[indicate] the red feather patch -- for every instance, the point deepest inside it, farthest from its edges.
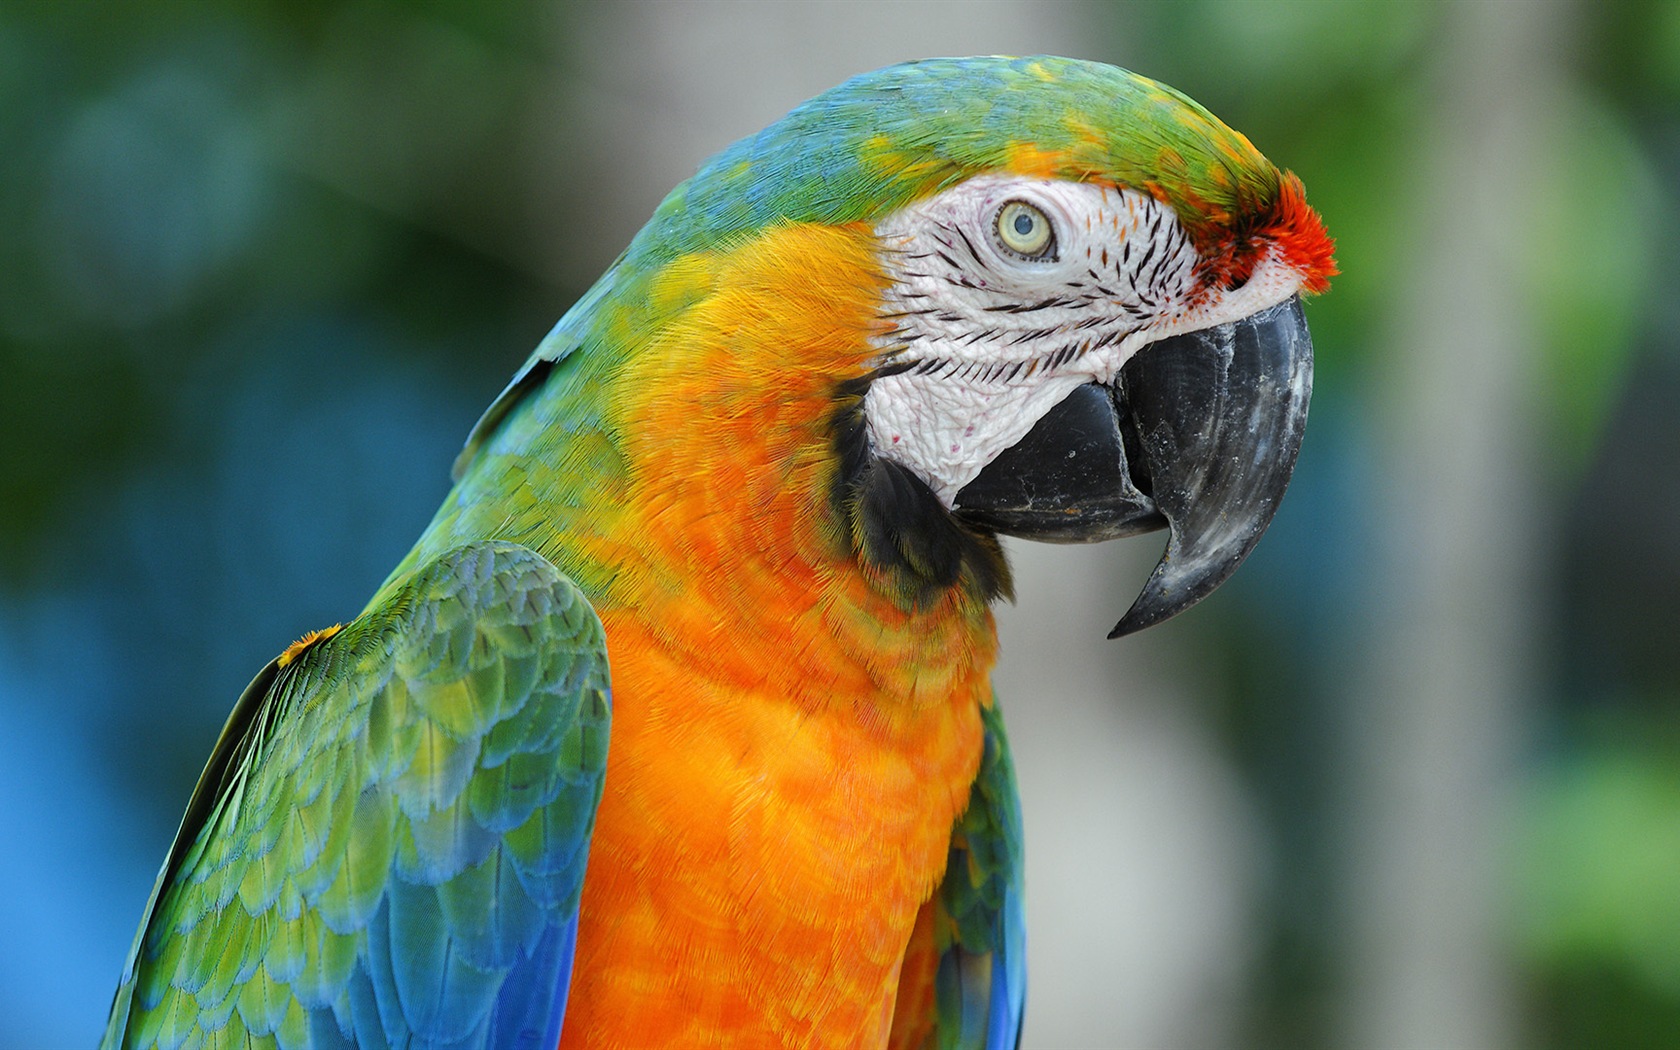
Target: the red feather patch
(1288, 222)
(1298, 230)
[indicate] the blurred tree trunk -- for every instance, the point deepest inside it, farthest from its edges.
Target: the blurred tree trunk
(1448, 666)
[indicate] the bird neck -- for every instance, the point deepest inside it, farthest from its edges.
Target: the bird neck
(683, 466)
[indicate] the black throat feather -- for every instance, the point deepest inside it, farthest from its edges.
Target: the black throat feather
(896, 525)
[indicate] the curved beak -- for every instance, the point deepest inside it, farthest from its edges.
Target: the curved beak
(1198, 433)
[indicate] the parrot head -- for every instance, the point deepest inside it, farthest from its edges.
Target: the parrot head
(1085, 299)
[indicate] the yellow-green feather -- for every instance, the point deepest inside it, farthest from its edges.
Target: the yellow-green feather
(393, 830)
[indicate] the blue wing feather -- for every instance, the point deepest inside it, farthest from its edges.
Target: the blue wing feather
(387, 847)
(1009, 973)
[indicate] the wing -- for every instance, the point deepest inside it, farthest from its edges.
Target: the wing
(964, 980)
(387, 846)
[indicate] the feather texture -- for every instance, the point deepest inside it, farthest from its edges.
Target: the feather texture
(388, 845)
(810, 835)
(963, 985)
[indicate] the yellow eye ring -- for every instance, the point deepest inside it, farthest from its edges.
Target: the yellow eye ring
(1025, 230)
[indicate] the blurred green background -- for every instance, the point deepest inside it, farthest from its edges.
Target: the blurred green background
(1411, 779)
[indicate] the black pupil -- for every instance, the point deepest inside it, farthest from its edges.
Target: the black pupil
(1023, 223)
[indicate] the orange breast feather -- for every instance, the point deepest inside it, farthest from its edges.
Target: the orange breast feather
(789, 747)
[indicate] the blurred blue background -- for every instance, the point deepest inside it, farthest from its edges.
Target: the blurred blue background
(1411, 779)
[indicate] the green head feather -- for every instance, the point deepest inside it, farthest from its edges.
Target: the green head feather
(883, 139)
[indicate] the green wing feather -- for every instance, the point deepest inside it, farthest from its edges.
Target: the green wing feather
(979, 995)
(388, 844)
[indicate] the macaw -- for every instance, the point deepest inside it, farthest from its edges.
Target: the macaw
(743, 505)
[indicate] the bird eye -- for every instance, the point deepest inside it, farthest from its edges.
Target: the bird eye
(1026, 231)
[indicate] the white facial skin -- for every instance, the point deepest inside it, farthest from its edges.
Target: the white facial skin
(996, 338)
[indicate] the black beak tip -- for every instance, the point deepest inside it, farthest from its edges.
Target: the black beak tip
(1146, 611)
(1161, 600)
(1131, 623)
